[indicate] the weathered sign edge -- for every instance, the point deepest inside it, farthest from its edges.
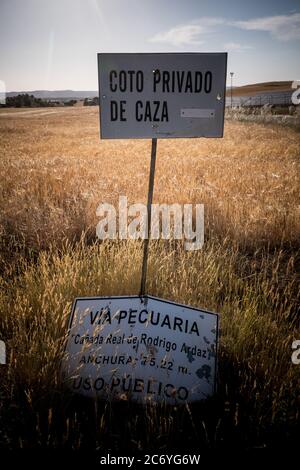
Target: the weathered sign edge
(217, 315)
(146, 296)
(99, 54)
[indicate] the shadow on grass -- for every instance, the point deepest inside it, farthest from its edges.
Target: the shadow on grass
(232, 419)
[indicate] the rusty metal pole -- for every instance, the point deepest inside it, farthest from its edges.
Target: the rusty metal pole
(149, 205)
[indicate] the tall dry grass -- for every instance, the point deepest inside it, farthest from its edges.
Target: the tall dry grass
(54, 173)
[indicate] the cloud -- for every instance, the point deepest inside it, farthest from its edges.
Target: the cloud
(179, 36)
(235, 46)
(190, 34)
(282, 27)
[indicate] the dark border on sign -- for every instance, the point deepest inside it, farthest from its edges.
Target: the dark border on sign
(217, 315)
(224, 93)
(99, 91)
(99, 54)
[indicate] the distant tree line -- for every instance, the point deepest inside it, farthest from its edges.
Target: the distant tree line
(91, 101)
(29, 101)
(24, 101)
(70, 103)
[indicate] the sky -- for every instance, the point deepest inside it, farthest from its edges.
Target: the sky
(53, 44)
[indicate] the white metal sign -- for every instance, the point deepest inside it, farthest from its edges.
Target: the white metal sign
(143, 349)
(162, 95)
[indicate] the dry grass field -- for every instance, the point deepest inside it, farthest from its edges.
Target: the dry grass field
(54, 171)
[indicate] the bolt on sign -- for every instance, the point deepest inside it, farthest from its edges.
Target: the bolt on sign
(162, 95)
(141, 349)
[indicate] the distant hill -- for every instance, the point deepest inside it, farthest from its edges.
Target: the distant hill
(57, 94)
(265, 87)
(246, 90)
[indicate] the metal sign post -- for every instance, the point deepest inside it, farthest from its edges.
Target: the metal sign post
(161, 96)
(141, 347)
(149, 205)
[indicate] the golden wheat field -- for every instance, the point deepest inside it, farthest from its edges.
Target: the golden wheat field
(54, 172)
